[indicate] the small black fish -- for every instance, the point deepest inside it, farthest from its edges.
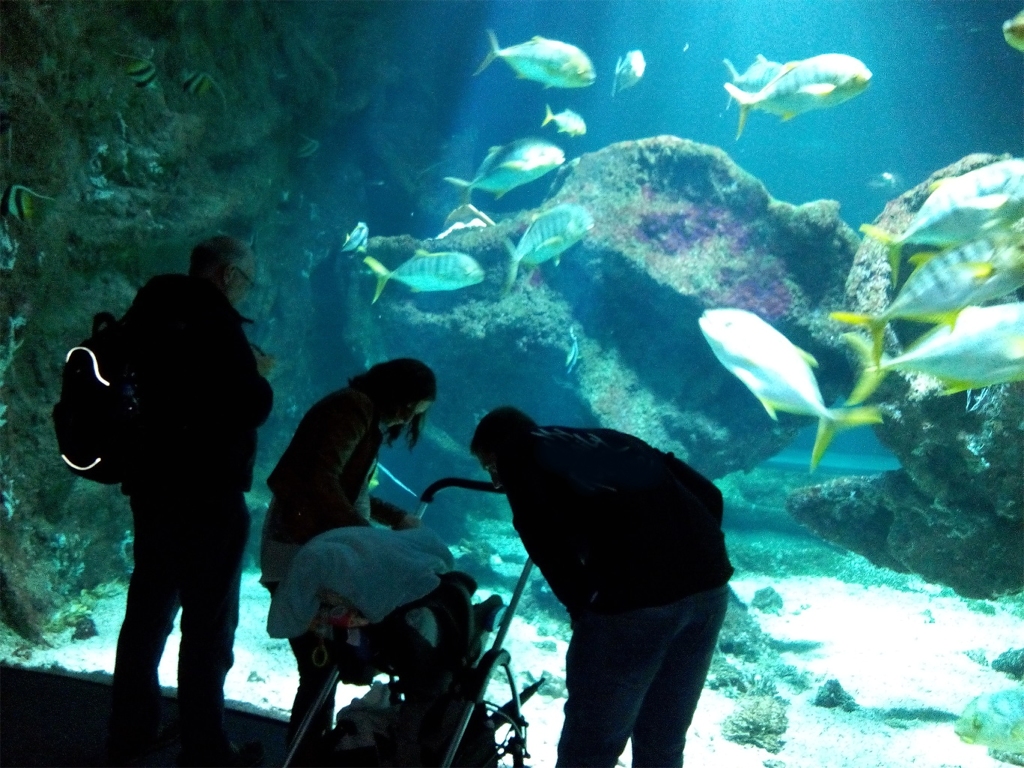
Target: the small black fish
(142, 72)
(17, 202)
(5, 121)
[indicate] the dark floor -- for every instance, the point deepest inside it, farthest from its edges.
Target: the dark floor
(50, 719)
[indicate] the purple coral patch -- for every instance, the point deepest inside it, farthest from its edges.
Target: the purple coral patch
(763, 291)
(678, 231)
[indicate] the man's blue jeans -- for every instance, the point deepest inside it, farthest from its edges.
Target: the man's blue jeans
(638, 674)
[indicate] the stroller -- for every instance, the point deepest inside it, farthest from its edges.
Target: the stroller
(432, 712)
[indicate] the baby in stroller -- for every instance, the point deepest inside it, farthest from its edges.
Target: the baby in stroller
(388, 602)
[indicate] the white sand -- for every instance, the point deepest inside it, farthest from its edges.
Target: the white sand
(887, 648)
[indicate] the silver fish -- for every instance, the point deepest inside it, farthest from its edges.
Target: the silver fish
(777, 372)
(512, 165)
(548, 236)
(960, 209)
(628, 71)
(551, 62)
(814, 83)
(441, 271)
(985, 347)
(943, 285)
(566, 120)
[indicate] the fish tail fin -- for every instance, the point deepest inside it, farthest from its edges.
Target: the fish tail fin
(732, 70)
(465, 188)
(383, 275)
(837, 420)
(890, 242)
(548, 117)
(872, 373)
(494, 53)
(875, 325)
(513, 268)
(741, 96)
(745, 100)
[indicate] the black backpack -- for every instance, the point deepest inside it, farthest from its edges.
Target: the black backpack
(99, 405)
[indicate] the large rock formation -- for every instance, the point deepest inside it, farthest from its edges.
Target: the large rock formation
(138, 176)
(679, 228)
(955, 513)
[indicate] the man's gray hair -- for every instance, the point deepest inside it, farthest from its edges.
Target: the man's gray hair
(220, 251)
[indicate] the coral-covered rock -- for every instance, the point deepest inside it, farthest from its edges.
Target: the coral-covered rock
(955, 514)
(610, 336)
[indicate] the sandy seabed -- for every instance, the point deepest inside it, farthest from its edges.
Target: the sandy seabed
(890, 649)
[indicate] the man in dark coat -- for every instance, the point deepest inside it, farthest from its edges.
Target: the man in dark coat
(201, 396)
(630, 541)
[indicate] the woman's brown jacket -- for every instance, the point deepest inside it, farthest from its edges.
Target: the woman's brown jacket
(319, 477)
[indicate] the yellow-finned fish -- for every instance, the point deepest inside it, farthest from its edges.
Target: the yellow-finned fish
(985, 347)
(994, 720)
(441, 271)
(511, 166)
(551, 62)
(628, 71)
(1013, 31)
(814, 83)
(943, 285)
(959, 209)
(566, 120)
(548, 236)
(17, 202)
(777, 372)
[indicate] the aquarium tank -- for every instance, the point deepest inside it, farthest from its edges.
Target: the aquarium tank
(781, 239)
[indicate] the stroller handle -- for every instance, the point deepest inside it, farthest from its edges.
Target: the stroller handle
(453, 482)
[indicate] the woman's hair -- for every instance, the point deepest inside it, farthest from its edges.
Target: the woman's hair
(499, 428)
(394, 386)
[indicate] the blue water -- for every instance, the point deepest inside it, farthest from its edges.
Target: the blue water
(944, 84)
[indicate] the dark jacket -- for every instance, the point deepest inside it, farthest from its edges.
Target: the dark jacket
(612, 523)
(319, 477)
(201, 397)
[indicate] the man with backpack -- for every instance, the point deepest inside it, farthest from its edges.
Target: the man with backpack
(630, 541)
(201, 397)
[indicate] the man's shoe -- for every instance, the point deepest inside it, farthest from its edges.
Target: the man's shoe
(248, 754)
(136, 755)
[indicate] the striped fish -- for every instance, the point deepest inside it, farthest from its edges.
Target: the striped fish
(141, 71)
(960, 209)
(985, 347)
(355, 241)
(17, 202)
(441, 271)
(942, 286)
(814, 83)
(512, 165)
(550, 234)
(757, 75)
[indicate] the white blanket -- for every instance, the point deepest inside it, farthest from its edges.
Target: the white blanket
(375, 569)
